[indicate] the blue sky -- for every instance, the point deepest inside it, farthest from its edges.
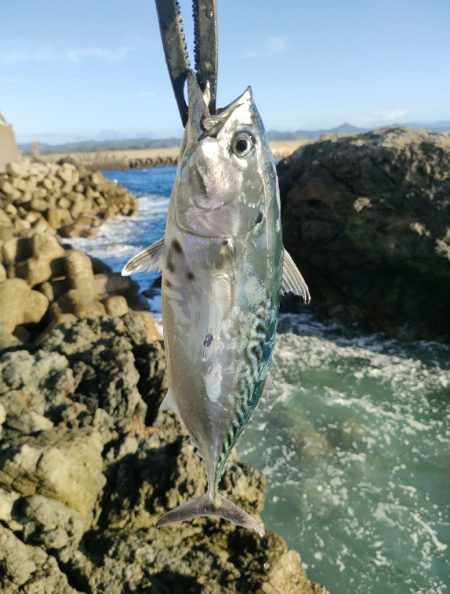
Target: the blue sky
(95, 68)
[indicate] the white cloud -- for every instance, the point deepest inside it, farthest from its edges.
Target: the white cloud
(73, 55)
(15, 56)
(273, 46)
(388, 115)
(100, 53)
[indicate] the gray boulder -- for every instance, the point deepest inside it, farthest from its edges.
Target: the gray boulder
(367, 218)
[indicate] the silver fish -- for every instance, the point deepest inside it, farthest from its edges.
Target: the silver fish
(223, 269)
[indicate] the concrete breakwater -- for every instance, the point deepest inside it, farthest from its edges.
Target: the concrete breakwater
(147, 158)
(37, 197)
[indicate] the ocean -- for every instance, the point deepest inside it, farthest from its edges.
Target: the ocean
(354, 440)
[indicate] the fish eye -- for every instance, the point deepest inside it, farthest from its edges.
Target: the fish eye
(242, 143)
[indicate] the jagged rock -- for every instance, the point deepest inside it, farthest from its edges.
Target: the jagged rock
(85, 492)
(59, 464)
(152, 332)
(48, 523)
(367, 220)
(19, 304)
(29, 569)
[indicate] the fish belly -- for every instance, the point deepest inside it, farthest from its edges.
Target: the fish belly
(219, 325)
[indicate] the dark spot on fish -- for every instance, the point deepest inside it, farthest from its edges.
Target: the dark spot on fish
(208, 340)
(225, 242)
(170, 265)
(259, 218)
(190, 275)
(177, 246)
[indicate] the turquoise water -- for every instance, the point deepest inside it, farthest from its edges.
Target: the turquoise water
(354, 440)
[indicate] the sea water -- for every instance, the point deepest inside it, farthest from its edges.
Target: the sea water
(354, 440)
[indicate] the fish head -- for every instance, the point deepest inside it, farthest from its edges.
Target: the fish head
(226, 173)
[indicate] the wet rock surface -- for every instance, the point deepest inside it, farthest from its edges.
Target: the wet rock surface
(367, 219)
(87, 465)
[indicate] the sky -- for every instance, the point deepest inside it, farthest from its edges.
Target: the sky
(94, 69)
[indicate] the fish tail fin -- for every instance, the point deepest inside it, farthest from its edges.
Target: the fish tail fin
(203, 506)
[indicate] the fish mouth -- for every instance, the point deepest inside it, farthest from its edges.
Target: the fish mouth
(201, 123)
(198, 109)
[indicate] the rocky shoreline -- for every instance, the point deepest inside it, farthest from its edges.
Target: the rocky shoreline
(87, 464)
(367, 219)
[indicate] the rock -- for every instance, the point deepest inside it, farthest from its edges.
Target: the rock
(20, 305)
(48, 522)
(366, 218)
(6, 233)
(66, 466)
(16, 250)
(152, 332)
(29, 569)
(46, 260)
(79, 273)
(287, 575)
(116, 305)
(54, 289)
(78, 303)
(79, 498)
(37, 270)
(115, 284)
(7, 188)
(15, 170)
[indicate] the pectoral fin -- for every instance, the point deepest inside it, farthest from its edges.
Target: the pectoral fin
(293, 281)
(150, 259)
(269, 386)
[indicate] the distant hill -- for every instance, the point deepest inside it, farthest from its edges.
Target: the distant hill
(442, 126)
(349, 130)
(342, 130)
(146, 143)
(86, 146)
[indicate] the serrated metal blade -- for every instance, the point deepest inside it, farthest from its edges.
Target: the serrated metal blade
(175, 50)
(205, 29)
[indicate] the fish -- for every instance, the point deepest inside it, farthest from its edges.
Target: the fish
(223, 270)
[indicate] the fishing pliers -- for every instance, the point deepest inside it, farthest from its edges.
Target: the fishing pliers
(175, 49)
